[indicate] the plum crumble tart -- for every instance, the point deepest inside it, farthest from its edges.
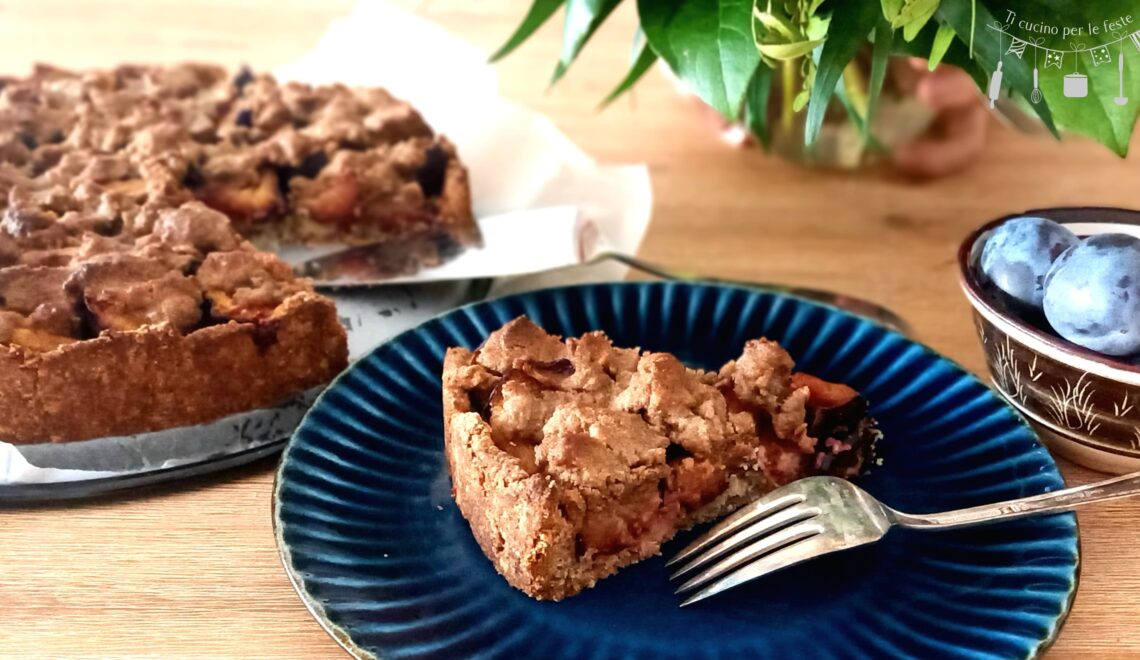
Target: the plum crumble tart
(571, 459)
(130, 297)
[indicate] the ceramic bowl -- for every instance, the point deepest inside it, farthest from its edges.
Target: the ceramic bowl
(1085, 405)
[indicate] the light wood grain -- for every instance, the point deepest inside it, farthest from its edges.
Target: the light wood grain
(191, 570)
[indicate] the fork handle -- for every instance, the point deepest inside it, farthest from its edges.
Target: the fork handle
(1063, 500)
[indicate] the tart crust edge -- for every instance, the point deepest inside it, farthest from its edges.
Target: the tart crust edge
(155, 378)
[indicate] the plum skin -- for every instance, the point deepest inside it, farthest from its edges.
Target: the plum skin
(1092, 294)
(1018, 253)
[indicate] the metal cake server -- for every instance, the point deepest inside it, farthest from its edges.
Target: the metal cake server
(517, 243)
(820, 515)
(523, 243)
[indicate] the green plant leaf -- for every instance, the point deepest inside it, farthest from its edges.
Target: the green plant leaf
(583, 17)
(641, 64)
(973, 24)
(1016, 74)
(801, 100)
(891, 9)
(957, 54)
(854, 87)
(854, 116)
(942, 40)
(1096, 115)
(880, 54)
(540, 11)
(774, 23)
(638, 42)
(848, 105)
(817, 27)
(853, 113)
(857, 18)
(914, 16)
(756, 104)
(789, 51)
(707, 44)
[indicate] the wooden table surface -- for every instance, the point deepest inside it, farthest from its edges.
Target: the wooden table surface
(191, 570)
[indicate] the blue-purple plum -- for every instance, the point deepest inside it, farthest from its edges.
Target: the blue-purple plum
(1019, 252)
(1092, 294)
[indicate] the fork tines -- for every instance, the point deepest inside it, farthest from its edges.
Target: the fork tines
(773, 532)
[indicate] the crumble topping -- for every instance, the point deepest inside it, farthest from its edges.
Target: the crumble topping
(529, 385)
(594, 448)
(90, 283)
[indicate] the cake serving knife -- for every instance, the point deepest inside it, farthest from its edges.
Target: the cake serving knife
(516, 243)
(520, 243)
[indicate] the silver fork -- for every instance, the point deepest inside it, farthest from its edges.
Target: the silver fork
(820, 515)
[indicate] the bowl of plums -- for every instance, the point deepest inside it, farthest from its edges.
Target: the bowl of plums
(1056, 298)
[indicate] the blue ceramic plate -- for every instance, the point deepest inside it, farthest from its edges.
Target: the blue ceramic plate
(379, 553)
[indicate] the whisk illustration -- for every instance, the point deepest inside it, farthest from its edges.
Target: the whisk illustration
(1035, 95)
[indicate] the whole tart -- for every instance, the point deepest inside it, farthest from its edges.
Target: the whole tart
(132, 296)
(571, 459)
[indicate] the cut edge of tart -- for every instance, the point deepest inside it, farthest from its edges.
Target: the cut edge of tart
(155, 377)
(573, 459)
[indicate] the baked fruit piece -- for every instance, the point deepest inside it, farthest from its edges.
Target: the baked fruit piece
(571, 459)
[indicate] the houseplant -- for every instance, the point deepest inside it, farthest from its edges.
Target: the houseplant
(742, 57)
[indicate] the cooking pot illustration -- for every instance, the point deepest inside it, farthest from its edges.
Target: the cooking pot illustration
(1076, 85)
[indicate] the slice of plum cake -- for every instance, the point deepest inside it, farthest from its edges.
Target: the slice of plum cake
(571, 459)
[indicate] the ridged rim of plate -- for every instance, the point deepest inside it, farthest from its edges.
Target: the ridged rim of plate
(344, 638)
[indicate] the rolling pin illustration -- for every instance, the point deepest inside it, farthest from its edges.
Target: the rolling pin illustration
(995, 84)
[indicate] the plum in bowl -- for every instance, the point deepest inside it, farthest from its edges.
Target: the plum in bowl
(1084, 404)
